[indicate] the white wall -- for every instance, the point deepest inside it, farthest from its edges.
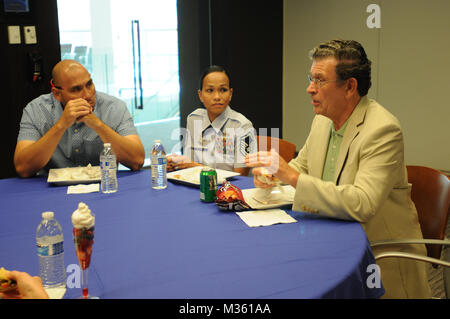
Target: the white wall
(410, 57)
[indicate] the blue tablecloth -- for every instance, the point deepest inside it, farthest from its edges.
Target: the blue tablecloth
(168, 244)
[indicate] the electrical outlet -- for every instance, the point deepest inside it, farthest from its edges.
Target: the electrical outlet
(30, 34)
(14, 34)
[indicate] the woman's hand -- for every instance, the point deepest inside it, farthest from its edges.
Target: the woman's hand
(176, 162)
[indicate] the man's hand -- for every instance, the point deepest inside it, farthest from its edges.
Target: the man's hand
(270, 160)
(269, 165)
(74, 110)
(91, 120)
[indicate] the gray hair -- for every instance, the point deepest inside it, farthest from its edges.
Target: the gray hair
(352, 61)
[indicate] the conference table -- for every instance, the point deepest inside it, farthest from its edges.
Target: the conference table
(168, 244)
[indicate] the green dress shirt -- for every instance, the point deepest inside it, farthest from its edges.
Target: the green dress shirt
(334, 146)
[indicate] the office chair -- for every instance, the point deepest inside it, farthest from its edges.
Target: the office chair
(431, 195)
(284, 148)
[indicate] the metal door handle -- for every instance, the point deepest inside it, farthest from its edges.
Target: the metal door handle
(136, 46)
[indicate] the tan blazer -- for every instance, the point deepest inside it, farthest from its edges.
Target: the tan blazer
(370, 186)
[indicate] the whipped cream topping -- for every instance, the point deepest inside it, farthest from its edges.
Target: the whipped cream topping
(82, 217)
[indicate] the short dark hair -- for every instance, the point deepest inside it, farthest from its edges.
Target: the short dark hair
(211, 69)
(352, 61)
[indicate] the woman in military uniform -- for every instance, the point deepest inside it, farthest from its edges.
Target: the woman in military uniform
(216, 135)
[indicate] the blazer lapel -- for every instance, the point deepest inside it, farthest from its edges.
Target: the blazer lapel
(352, 130)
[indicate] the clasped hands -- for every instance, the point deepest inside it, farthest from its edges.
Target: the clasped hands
(78, 110)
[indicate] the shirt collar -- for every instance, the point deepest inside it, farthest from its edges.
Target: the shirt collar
(219, 122)
(341, 131)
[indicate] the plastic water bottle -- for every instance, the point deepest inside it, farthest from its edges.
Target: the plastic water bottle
(159, 166)
(108, 166)
(50, 251)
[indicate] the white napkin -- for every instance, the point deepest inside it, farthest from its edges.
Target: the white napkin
(82, 188)
(266, 217)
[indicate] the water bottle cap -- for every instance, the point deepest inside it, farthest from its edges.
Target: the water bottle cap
(47, 215)
(107, 144)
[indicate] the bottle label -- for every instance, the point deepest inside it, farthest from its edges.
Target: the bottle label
(107, 165)
(50, 250)
(158, 160)
(108, 162)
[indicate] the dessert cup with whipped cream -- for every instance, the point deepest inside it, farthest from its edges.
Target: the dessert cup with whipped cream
(273, 192)
(83, 221)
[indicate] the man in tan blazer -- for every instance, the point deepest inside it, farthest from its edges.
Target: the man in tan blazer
(352, 164)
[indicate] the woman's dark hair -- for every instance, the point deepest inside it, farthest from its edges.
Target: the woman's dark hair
(211, 69)
(352, 61)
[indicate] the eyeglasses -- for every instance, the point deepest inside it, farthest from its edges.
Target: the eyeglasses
(56, 87)
(318, 82)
